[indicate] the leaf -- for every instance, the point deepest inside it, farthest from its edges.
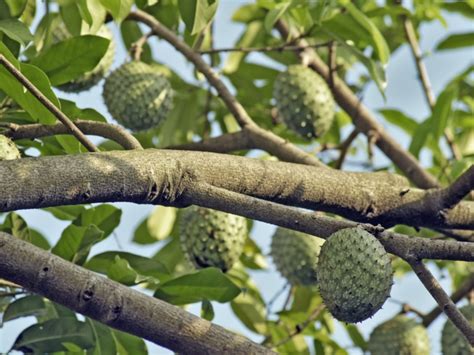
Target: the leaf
(128, 344)
(197, 14)
(69, 59)
(16, 30)
(209, 283)
(142, 234)
(49, 336)
(275, 14)
(20, 95)
(356, 336)
(105, 217)
(65, 213)
(23, 307)
(121, 271)
(378, 41)
(419, 138)
(250, 313)
(16, 7)
(442, 111)
(142, 265)
(76, 242)
(398, 118)
(131, 32)
(118, 8)
(15, 225)
(457, 40)
(207, 311)
(161, 221)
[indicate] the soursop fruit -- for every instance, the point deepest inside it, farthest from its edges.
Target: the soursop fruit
(138, 96)
(8, 149)
(452, 341)
(304, 101)
(91, 78)
(295, 255)
(354, 274)
(212, 238)
(399, 336)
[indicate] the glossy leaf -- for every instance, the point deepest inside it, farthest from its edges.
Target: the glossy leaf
(442, 111)
(23, 307)
(16, 30)
(105, 217)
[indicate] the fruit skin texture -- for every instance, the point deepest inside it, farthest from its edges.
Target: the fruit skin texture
(295, 255)
(399, 336)
(354, 274)
(138, 96)
(212, 238)
(452, 341)
(304, 101)
(8, 149)
(91, 78)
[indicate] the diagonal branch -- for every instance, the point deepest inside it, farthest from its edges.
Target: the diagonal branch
(443, 300)
(425, 80)
(364, 120)
(454, 193)
(48, 104)
(272, 143)
(106, 130)
(114, 304)
(462, 291)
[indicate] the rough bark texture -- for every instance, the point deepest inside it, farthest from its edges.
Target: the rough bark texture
(114, 304)
(160, 177)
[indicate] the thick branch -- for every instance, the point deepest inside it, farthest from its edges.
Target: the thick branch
(443, 300)
(158, 176)
(48, 104)
(106, 130)
(225, 143)
(462, 291)
(114, 304)
(273, 144)
(364, 120)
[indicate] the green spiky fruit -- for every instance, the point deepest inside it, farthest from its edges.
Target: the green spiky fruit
(8, 149)
(138, 96)
(452, 341)
(304, 101)
(212, 238)
(399, 336)
(91, 78)
(295, 255)
(354, 274)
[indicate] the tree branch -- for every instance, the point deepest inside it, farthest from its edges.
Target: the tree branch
(159, 176)
(225, 143)
(106, 130)
(462, 291)
(344, 146)
(280, 48)
(444, 302)
(453, 194)
(363, 118)
(116, 305)
(425, 80)
(273, 143)
(48, 104)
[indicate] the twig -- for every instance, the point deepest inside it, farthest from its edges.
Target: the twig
(332, 63)
(277, 295)
(425, 81)
(463, 290)
(455, 192)
(344, 146)
(299, 328)
(106, 130)
(443, 300)
(48, 104)
(280, 48)
(136, 49)
(268, 141)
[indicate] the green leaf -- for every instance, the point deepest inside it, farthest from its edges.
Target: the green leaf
(69, 59)
(378, 41)
(16, 30)
(171, 255)
(105, 217)
(23, 307)
(161, 221)
(36, 238)
(128, 344)
(197, 14)
(121, 271)
(49, 336)
(20, 95)
(275, 14)
(71, 17)
(250, 312)
(142, 265)
(70, 109)
(15, 225)
(419, 138)
(207, 311)
(142, 234)
(442, 111)
(209, 283)
(131, 32)
(356, 336)
(65, 213)
(457, 40)
(76, 242)
(118, 8)
(398, 118)
(16, 6)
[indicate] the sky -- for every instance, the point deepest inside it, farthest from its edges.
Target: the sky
(403, 91)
